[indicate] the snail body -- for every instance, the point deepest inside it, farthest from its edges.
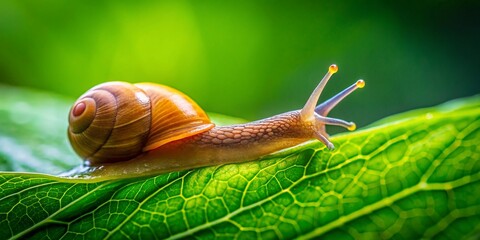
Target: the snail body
(127, 130)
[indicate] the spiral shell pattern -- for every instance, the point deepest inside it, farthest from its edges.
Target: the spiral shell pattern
(98, 134)
(117, 121)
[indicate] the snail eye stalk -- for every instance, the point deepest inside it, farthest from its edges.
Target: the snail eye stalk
(308, 110)
(324, 108)
(318, 115)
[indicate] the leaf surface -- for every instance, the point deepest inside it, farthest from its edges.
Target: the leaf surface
(413, 175)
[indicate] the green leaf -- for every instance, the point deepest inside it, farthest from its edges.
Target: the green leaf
(32, 132)
(413, 175)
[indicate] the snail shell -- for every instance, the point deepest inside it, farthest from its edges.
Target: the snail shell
(117, 121)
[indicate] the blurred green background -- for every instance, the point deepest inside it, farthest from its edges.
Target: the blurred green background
(249, 59)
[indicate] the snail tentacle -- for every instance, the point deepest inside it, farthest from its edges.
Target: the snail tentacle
(310, 113)
(324, 108)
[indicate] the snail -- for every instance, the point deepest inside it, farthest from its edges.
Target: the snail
(127, 130)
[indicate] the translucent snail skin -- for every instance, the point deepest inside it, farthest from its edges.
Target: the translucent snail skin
(124, 130)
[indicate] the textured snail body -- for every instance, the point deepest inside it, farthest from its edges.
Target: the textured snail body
(128, 130)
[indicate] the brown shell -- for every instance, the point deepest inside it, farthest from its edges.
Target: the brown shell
(174, 115)
(118, 121)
